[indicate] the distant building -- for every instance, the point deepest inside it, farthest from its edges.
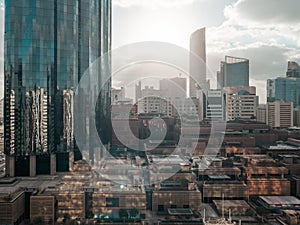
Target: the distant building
(117, 94)
(234, 72)
(197, 61)
(296, 115)
(286, 88)
(175, 194)
(173, 87)
(241, 102)
(261, 114)
(215, 104)
(279, 114)
(293, 70)
(156, 105)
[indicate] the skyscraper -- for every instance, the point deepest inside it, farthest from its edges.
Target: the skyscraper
(197, 61)
(234, 72)
(48, 46)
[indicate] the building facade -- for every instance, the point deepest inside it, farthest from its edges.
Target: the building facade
(234, 72)
(197, 62)
(48, 47)
(241, 102)
(279, 114)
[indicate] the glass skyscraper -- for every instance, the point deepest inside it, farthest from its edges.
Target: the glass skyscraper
(234, 72)
(284, 88)
(48, 46)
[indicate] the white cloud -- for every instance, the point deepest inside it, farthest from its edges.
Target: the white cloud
(152, 3)
(266, 32)
(264, 12)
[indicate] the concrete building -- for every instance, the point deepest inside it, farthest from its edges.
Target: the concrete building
(261, 114)
(279, 114)
(42, 207)
(234, 72)
(117, 94)
(175, 194)
(155, 105)
(197, 62)
(174, 87)
(241, 103)
(267, 180)
(12, 208)
(213, 104)
(296, 114)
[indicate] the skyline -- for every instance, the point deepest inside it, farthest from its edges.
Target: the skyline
(266, 33)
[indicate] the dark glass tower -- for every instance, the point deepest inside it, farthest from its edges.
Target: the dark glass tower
(48, 46)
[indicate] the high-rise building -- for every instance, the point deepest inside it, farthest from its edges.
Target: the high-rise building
(293, 69)
(279, 114)
(48, 47)
(234, 72)
(197, 62)
(285, 88)
(241, 103)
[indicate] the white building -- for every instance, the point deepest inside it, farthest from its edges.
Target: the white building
(280, 114)
(241, 102)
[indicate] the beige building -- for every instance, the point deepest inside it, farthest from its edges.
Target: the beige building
(279, 114)
(241, 102)
(43, 207)
(261, 114)
(197, 61)
(12, 208)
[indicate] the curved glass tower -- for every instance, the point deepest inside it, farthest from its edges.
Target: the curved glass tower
(48, 46)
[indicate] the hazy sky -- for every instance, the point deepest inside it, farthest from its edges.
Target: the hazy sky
(267, 32)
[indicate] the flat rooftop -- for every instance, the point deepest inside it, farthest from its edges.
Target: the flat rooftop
(280, 200)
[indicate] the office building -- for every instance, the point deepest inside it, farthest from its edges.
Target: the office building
(241, 102)
(261, 114)
(213, 104)
(197, 62)
(48, 47)
(234, 72)
(285, 88)
(279, 114)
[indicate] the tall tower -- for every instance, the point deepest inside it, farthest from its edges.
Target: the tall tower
(48, 46)
(197, 61)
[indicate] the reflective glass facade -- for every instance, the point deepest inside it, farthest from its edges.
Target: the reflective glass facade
(48, 47)
(284, 88)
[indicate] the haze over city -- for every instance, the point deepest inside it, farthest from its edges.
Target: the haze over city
(265, 32)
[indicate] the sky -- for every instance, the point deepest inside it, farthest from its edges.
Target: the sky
(266, 32)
